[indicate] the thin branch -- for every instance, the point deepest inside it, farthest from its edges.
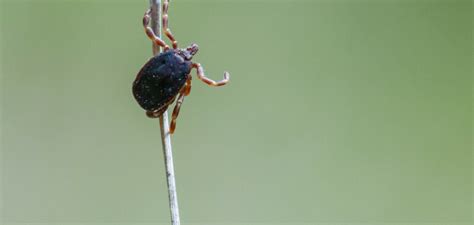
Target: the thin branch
(155, 6)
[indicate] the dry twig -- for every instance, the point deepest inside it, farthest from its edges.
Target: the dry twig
(155, 6)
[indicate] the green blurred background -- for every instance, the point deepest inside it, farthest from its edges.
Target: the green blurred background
(338, 112)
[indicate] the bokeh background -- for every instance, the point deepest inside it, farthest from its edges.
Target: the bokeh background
(338, 112)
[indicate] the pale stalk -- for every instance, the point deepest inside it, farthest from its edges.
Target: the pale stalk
(155, 6)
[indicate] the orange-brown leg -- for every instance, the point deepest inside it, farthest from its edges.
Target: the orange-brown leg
(202, 76)
(187, 88)
(149, 32)
(184, 92)
(166, 29)
(175, 114)
(155, 114)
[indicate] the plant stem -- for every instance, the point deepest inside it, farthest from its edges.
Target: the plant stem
(155, 6)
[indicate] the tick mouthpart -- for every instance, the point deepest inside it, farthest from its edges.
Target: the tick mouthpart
(189, 52)
(193, 49)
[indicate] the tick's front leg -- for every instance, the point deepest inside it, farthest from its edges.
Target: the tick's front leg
(165, 24)
(202, 76)
(149, 32)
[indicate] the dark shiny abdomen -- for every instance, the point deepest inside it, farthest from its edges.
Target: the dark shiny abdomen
(160, 80)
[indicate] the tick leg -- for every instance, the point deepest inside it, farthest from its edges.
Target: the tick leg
(165, 24)
(153, 114)
(156, 113)
(185, 92)
(187, 88)
(149, 32)
(202, 76)
(176, 109)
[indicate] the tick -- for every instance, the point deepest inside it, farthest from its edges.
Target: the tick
(166, 76)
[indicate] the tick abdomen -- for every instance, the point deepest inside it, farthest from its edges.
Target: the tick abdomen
(160, 80)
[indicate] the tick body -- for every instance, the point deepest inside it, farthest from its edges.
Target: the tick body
(167, 76)
(160, 80)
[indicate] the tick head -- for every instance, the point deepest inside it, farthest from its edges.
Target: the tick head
(190, 51)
